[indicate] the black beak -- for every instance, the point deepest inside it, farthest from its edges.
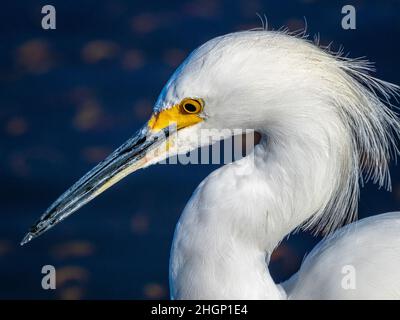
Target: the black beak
(131, 156)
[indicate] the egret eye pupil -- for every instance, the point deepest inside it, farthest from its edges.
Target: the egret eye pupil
(190, 107)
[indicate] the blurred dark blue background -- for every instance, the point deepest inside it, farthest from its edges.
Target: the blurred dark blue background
(70, 96)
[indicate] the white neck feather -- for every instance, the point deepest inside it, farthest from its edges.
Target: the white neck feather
(239, 214)
(219, 247)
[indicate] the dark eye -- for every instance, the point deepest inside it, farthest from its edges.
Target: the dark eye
(191, 106)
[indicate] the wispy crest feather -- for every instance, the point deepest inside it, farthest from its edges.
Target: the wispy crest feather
(365, 109)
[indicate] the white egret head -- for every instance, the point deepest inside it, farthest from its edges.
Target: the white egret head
(300, 96)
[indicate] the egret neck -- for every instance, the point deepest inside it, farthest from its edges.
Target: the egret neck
(240, 213)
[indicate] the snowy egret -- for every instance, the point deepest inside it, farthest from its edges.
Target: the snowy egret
(325, 124)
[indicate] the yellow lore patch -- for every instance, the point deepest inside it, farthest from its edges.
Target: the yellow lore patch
(174, 115)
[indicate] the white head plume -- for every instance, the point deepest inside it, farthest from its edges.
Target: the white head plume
(288, 88)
